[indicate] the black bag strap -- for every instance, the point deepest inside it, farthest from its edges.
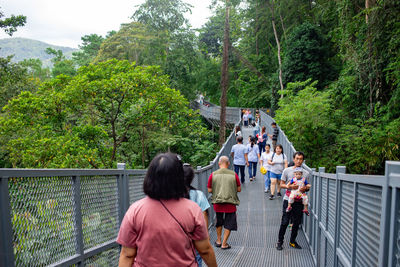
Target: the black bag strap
(183, 229)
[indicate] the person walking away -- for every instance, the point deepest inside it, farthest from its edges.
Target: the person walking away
(296, 213)
(296, 194)
(164, 219)
(279, 163)
(239, 155)
(245, 119)
(224, 185)
(256, 130)
(253, 157)
(250, 118)
(265, 157)
(238, 132)
(275, 133)
(196, 196)
(262, 140)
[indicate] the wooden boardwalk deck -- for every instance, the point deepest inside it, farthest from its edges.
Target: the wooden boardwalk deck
(258, 225)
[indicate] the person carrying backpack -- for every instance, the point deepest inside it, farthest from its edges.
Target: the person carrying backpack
(262, 140)
(274, 135)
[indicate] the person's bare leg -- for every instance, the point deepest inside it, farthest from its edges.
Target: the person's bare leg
(273, 183)
(279, 186)
(219, 233)
(226, 236)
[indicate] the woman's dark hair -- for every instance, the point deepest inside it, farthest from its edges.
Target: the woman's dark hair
(278, 146)
(263, 129)
(252, 140)
(164, 177)
(268, 145)
(237, 129)
(188, 175)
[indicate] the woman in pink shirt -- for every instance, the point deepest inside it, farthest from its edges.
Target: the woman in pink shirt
(164, 228)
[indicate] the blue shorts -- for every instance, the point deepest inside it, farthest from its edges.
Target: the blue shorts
(273, 175)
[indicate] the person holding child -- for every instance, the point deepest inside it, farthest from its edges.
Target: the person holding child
(296, 194)
(297, 207)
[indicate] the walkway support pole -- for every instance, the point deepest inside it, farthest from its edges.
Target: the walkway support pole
(6, 232)
(339, 170)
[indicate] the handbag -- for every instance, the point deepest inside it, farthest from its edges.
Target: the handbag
(183, 229)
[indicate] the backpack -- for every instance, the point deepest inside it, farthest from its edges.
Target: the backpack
(283, 156)
(260, 138)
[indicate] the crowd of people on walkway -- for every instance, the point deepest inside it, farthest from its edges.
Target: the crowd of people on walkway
(175, 215)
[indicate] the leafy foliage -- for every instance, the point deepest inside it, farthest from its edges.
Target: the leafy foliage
(9, 25)
(108, 112)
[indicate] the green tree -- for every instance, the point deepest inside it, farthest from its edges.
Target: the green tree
(109, 112)
(10, 24)
(61, 65)
(306, 56)
(306, 119)
(163, 15)
(14, 79)
(89, 49)
(35, 68)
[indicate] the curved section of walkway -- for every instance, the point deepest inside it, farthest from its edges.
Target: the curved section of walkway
(258, 226)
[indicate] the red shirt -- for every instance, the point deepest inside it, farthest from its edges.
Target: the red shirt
(226, 208)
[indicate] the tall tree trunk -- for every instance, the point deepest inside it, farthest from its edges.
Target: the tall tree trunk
(143, 148)
(256, 31)
(224, 77)
(278, 45)
(369, 4)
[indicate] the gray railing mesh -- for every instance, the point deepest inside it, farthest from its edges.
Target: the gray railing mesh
(397, 235)
(99, 210)
(346, 219)
(368, 225)
(332, 207)
(106, 258)
(42, 220)
(324, 201)
(135, 182)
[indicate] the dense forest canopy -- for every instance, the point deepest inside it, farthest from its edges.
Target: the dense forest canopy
(329, 69)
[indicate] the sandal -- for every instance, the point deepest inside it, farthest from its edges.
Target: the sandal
(227, 247)
(217, 245)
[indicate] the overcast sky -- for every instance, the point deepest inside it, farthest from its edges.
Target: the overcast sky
(64, 22)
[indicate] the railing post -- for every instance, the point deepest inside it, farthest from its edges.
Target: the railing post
(6, 231)
(339, 170)
(355, 226)
(76, 183)
(123, 191)
(319, 200)
(313, 220)
(385, 215)
(392, 170)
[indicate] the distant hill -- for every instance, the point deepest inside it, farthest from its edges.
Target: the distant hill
(23, 48)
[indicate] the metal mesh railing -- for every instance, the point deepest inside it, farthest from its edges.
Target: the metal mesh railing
(99, 204)
(42, 214)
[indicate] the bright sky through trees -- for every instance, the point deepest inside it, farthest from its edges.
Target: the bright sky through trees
(64, 22)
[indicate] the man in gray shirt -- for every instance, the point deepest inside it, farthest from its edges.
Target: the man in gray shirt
(297, 207)
(239, 155)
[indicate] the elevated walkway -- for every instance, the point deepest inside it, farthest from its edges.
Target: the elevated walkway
(258, 226)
